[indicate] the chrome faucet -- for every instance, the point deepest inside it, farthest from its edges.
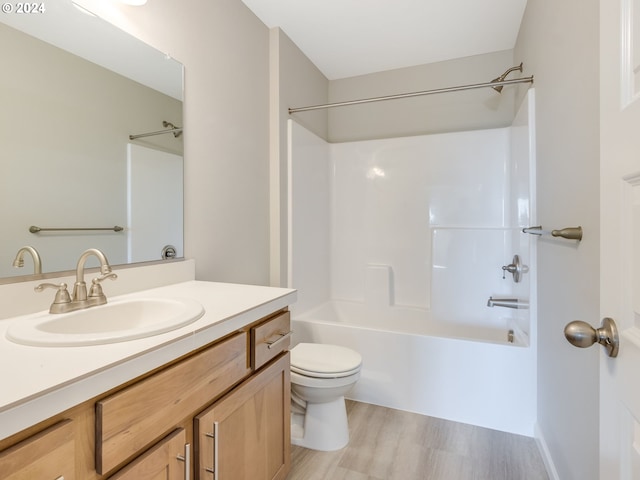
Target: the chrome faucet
(64, 302)
(37, 262)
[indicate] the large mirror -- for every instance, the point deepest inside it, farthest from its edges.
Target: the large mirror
(74, 90)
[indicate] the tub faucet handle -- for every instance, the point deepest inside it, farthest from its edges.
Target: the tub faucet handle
(511, 268)
(515, 268)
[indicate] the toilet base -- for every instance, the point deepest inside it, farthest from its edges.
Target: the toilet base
(323, 427)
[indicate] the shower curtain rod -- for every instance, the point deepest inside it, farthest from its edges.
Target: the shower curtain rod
(413, 94)
(176, 131)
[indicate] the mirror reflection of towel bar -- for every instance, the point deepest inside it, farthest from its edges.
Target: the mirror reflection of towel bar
(34, 229)
(571, 233)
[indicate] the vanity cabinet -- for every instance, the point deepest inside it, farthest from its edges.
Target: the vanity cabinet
(231, 397)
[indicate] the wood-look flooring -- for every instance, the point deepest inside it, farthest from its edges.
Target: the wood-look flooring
(389, 444)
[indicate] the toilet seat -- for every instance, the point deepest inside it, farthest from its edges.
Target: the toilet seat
(301, 380)
(324, 361)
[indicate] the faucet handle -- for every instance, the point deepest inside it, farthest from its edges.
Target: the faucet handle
(511, 268)
(97, 280)
(62, 295)
(96, 288)
(515, 268)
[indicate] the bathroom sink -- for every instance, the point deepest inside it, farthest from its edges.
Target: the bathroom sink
(117, 321)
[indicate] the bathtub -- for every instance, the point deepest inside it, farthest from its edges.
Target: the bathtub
(436, 367)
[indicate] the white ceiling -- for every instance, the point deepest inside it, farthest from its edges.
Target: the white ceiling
(345, 38)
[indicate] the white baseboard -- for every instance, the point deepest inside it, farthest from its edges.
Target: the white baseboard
(546, 455)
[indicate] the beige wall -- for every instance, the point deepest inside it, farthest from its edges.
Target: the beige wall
(299, 83)
(465, 110)
(558, 42)
(225, 51)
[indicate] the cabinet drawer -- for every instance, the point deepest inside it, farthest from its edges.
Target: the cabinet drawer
(137, 416)
(48, 454)
(269, 339)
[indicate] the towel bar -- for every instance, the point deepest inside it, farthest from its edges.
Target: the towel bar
(34, 229)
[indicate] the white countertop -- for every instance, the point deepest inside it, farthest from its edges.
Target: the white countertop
(39, 382)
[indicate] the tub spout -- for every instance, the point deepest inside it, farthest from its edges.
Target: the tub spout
(506, 302)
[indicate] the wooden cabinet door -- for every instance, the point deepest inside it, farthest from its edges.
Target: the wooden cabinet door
(49, 454)
(246, 435)
(161, 462)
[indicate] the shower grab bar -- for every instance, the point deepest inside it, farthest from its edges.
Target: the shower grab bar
(34, 229)
(570, 233)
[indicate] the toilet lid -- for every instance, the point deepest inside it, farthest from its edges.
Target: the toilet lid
(324, 361)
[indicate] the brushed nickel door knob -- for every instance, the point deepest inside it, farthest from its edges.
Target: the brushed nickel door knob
(583, 335)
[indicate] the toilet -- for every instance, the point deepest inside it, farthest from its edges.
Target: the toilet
(321, 375)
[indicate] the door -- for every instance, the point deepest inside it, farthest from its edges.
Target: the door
(620, 235)
(246, 434)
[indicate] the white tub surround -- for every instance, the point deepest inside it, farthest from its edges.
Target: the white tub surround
(40, 382)
(421, 223)
(396, 246)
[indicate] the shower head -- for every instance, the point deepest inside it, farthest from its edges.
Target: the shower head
(178, 130)
(498, 88)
